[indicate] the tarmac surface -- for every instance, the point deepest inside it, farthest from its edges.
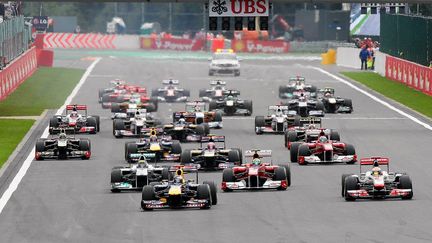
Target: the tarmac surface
(70, 201)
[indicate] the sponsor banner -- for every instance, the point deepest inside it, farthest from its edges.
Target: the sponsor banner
(412, 74)
(172, 44)
(85, 40)
(260, 46)
(238, 8)
(40, 23)
(16, 72)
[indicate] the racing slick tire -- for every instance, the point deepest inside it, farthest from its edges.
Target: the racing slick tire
(218, 116)
(234, 156)
(280, 175)
(116, 176)
(294, 151)
(92, 122)
(185, 157)
(106, 98)
(213, 191)
(131, 148)
(147, 194)
(206, 128)
(40, 147)
(237, 73)
(203, 192)
(248, 106)
(228, 175)
(118, 125)
(186, 93)
(334, 135)
(343, 183)
(303, 151)
(101, 93)
(176, 147)
(406, 183)
(313, 89)
(166, 174)
(200, 130)
(97, 122)
(320, 106)
(212, 105)
(85, 145)
(155, 93)
(54, 122)
(351, 183)
(290, 136)
(240, 152)
(202, 93)
(297, 122)
(259, 122)
(150, 107)
(348, 103)
(349, 150)
(155, 102)
(115, 107)
(211, 73)
(126, 149)
(288, 173)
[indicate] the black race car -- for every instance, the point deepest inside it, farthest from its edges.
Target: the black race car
(232, 105)
(334, 104)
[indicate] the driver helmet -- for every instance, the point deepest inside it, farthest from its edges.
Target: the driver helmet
(211, 146)
(256, 161)
(230, 97)
(197, 108)
(153, 138)
(323, 139)
(376, 171)
(182, 121)
(311, 126)
(142, 161)
(327, 94)
(62, 136)
(74, 114)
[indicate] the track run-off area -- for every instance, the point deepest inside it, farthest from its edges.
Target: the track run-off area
(71, 201)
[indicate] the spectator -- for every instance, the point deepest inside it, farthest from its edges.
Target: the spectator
(372, 58)
(430, 64)
(364, 55)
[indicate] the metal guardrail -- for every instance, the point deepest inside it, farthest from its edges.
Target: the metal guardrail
(317, 46)
(15, 38)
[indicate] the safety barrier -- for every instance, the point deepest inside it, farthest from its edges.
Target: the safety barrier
(16, 72)
(70, 40)
(260, 46)
(15, 37)
(176, 44)
(412, 74)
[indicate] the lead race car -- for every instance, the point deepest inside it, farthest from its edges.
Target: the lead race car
(257, 174)
(210, 156)
(216, 91)
(78, 123)
(232, 105)
(322, 150)
(153, 141)
(62, 147)
(334, 104)
(295, 85)
(136, 176)
(171, 92)
(179, 192)
(197, 113)
(376, 183)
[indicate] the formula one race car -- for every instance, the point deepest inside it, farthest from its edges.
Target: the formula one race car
(136, 101)
(153, 142)
(276, 121)
(256, 174)
(309, 131)
(80, 123)
(132, 127)
(322, 150)
(211, 156)
(232, 105)
(197, 113)
(116, 85)
(62, 147)
(376, 183)
(185, 131)
(135, 176)
(334, 104)
(296, 84)
(216, 91)
(125, 94)
(170, 92)
(179, 192)
(304, 106)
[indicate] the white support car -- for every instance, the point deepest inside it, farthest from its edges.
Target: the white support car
(224, 62)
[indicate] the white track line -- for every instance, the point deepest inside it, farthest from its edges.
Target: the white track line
(373, 97)
(26, 165)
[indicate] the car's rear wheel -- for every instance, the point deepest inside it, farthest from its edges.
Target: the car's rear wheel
(203, 193)
(294, 151)
(213, 191)
(343, 183)
(186, 157)
(351, 183)
(406, 183)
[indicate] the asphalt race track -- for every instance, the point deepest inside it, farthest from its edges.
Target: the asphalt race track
(70, 201)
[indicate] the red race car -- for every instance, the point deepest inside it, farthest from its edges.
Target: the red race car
(323, 150)
(257, 174)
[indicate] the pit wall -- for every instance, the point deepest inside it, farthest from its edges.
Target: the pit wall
(414, 75)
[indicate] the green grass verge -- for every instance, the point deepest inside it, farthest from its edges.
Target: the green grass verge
(47, 88)
(401, 93)
(11, 133)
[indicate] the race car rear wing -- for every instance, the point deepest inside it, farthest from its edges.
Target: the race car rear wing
(297, 78)
(310, 120)
(117, 82)
(212, 138)
(275, 107)
(76, 107)
(231, 92)
(259, 152)
(217, 82)
(184, 169)
(170, 81)
(375, 161)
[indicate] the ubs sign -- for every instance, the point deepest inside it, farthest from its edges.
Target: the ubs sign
(238, 8)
